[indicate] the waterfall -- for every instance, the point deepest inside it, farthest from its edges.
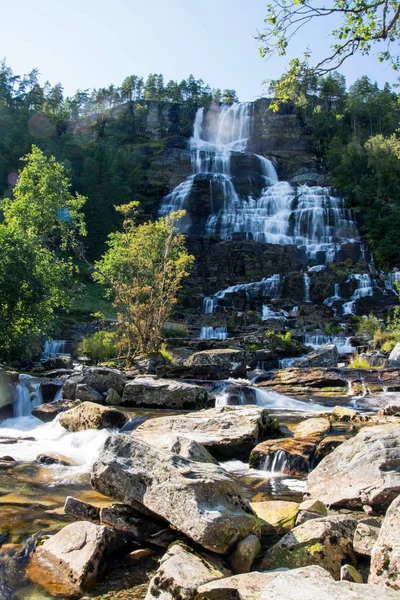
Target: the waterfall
(213, 333)
(268, 313)
(269, 287)
(317, 341)
(275, 464)
(28, 394)
(307, 282)
(365, 287)
(54, 347)
(208, 305)
(309, 217)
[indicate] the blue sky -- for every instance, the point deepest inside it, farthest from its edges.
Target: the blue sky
(92, 43)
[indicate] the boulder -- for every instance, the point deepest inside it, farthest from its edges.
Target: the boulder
(100, 379)
(326, 356)
(302, 584)
(363, 470)
(315, 427)
(228, 362)
(326, 446)
(147, 392)
(126, 520)
(344, 413)
(180, 574)
(73, 560)
(288, 456)
(246, 586)
(385, 557)
(306, 382)
(199, 499)
(366, 536)
(113, 398)
(188, 449)
(244, 554)
(88, 415)
(394, 357)
(79, 510)
(311, 509)
(48, 412)
(55, 459)
(226, 431)
(85, 393)
(278, 513)
(326, 542)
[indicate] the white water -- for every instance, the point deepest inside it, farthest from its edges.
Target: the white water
(269, 287)
(82, 447)
(307, 281)
(54, 347)
(365, 287)
(268, 313)
(28, 394)
(317, 341)
(309, 217)
(213, 333)
(277, 401)
(241, 469)
(275, 464)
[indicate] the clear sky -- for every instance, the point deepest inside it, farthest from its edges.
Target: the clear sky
(93, 43)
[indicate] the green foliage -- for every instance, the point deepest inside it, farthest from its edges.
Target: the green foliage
(40, 225)
(283, 342)
(371, 325)
(101, 346)
(359, 363)
(333, 329)
(143, 271)
(166, 354)
(174, 330)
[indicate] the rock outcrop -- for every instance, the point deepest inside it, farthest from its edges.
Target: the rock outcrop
(99, 379)
(147, 392)
(385, 557)
(327, 356)
(199, 499)
(88, 415)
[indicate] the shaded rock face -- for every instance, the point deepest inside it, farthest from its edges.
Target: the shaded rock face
(180, 574)
(73, 560)
(288, 456)
(326, 542)
(327, 356)
(160, 393)
(199, 499)
(385, 557)
(48, 412)
(226, 432)
(88, 415)
(99, 379)
(361, 471)
(366, 536)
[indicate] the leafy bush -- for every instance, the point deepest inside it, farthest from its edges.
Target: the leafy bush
(359, 363)
(371, 325)
(332, 329)
(166, 354)
(174, 330)
(389, 345)
(101, 346)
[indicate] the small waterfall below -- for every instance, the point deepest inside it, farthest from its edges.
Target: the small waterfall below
(365, 287)
(317, 341)
(213, 333)
(268, 313)
(53, 348)
(269, 287)
(276, 463)
(28, 395)
(307, 281)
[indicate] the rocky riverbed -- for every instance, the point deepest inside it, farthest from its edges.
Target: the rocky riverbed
(104, 494)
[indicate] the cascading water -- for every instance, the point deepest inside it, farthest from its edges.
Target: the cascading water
(213, 333)
(317, 341)
(269, 287)
(365, 287)
(275, 464)
(309, 217)
(307, 282)
(268, 313)
(54, 347)
(28, 394)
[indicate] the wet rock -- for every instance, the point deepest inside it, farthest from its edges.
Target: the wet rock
(100, 379)
(326, 542)
(180, 574)
(385, 557)
(85, 393)
(366, 535)
(55, 459)
(315, 427)
(226, 432)
(126, 520)
(92, 416)
(113, 398)
(73, 560)
(199, 499)
(362, 470)
(48, 412)
(244, 554)
(326, 356)
(229, 362)
(288, 456)
(298, 584)
(147, 392)
(350, 573)
(50, 388)
(81, 511)
(278, 513)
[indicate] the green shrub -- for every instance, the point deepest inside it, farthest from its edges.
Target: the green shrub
(101, 346)
(371, 324)
(333, 329)
(359, 363)
(388, 346)
(166, 354)
(174, 330)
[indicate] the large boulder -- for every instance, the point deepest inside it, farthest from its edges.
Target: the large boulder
(326, 356)
(281, 514)
(227, 362)
(88, 415)
(361, 471)
(100, 379)
(246, 586)
(307, 584)
(199, 499)
(287, 456)
(181, 573)
(315, 427)
(188, 449)
(366, 536)
(48, 411)
(385, 557)
(326, 542)
(73, 560)
(226, 432)
(88, 394)
(147, 392)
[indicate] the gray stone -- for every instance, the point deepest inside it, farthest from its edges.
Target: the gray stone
(362, 470)
(100, 379)
(385, 557)
(180, 574)
(73, 560)
(326, 356)
(188, 449)
(127, 520)
(326, 542)
(246, 586)
(199, 499)
(147, 392)
(244, 554)
(394, 357)
(365, 536)
(81, 511)
(229, 361)
(92, 416)
(226, 432)
(85, 393)
(48, 412)
(113, 398)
